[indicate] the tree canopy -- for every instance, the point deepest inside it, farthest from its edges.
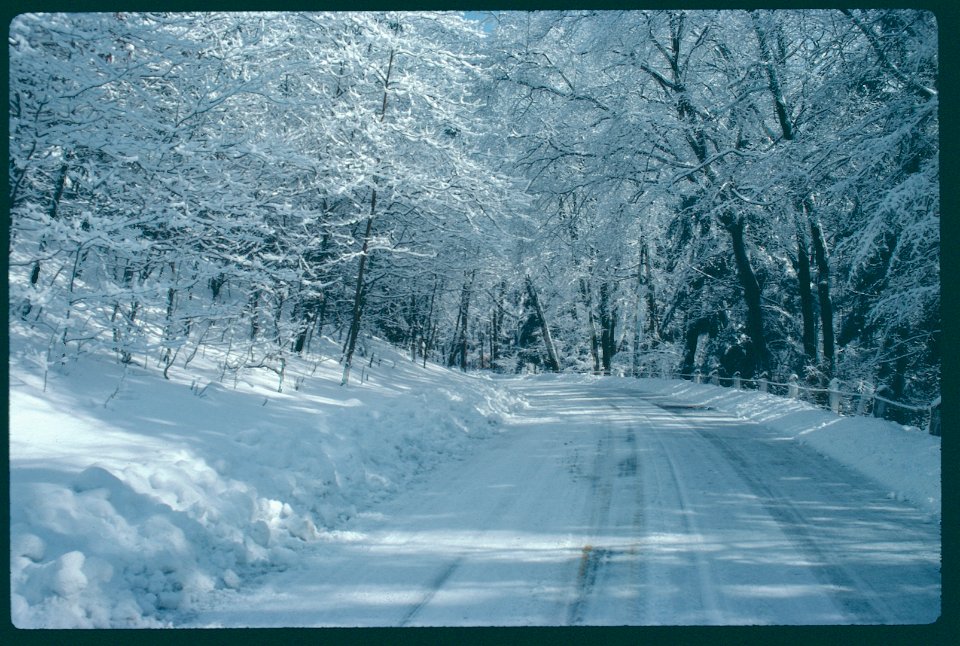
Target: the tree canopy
(752, 192)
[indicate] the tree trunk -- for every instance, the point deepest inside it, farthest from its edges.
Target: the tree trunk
(414, 325)
(313, 309)
(653, 316)
(54, 214)
(452, 354)
(497, 325)
(806, 300)
(360, 292)
(608, 322)
(463, 329)
(591, 321)
(694, 331)
(254, 314)
(309, 313)
(637, 333)
(770, 63)
(429, 329)
(358, 296)
(169, 333)
(460, 344)
(751, 297)
(645, 298)
(823, 293)
(552, 361)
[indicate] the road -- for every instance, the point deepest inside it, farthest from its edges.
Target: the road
(600, 505)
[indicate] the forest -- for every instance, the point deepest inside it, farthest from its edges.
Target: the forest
(632, 193)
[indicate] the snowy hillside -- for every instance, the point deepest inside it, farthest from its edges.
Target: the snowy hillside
(134, 496)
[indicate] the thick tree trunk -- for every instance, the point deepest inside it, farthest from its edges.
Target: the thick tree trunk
(823, 293)
(552, 361)
(695, 330)
(751, 296)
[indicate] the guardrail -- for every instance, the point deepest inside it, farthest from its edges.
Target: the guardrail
(867, 400)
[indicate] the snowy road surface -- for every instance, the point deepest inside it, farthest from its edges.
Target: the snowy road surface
(600, 505)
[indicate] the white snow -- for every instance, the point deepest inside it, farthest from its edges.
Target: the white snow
(134, 498)
(905, 460)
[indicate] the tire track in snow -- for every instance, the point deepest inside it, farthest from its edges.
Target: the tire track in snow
(599, 500)
(445, 572)
(616, 477)
(433, 587)
(840, 581)
(850, 593)
(707, 590)
(638, 570)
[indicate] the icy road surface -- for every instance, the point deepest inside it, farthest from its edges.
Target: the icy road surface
(603, 506)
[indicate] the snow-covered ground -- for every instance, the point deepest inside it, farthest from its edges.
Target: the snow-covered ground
(905, 460)
(136, 500)
(133, 496)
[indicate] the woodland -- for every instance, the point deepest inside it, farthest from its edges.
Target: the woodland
(635, 193)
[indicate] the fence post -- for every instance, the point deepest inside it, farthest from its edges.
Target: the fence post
(866, 394)
(835, 395)
(715, 378)
(934, 426)
(762, 382)
(793, 391)
(880, 406)
(698, 377)
(736, 380)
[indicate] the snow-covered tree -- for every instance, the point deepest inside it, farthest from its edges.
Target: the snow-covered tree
(744, 191)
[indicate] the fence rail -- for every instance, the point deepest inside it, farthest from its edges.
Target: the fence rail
(864, 400)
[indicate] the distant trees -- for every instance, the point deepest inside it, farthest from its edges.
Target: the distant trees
(745, 191)
(726, 180)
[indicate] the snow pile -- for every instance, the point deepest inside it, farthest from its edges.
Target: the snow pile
(904, 460)
(132, 497)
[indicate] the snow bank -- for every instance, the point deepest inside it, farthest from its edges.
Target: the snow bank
(132, 497)
(904, 460)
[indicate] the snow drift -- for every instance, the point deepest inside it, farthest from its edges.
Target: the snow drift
(133, 496)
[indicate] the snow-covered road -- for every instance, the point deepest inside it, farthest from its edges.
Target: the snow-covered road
(602, 505)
